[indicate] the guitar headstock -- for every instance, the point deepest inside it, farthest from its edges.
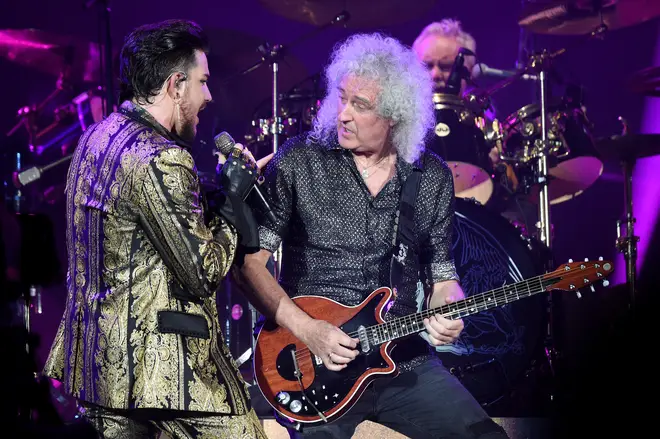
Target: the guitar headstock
(572, 276)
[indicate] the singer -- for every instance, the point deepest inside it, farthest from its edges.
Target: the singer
(139, 343)
(335, 193)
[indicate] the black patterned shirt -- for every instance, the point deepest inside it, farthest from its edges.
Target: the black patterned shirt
(337, 238)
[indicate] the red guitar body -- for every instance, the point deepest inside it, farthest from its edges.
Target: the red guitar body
(332, 393)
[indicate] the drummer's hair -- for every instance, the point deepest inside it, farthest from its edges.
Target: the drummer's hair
(153, 52)
(406, 96)
(447, 28)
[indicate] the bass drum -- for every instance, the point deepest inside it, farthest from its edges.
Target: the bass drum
(496, 347)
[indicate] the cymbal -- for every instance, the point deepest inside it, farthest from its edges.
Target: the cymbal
(75, 59)
(646, 81)
(569, 179)
(580, 17)
(362, 13)
(629, 146)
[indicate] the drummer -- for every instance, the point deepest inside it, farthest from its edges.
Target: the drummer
(437, 46)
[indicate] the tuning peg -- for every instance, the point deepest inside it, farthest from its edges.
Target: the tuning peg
(570, 261)
(606, 282)
(600, 258)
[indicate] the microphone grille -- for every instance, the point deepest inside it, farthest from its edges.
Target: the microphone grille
(224, 143)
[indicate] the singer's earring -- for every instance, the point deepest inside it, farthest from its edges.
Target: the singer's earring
(177, 104)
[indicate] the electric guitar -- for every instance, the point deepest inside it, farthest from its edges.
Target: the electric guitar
(295, 382)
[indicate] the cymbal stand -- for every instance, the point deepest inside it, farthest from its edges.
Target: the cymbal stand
(106, 68)
(541, 165)
(628, 244)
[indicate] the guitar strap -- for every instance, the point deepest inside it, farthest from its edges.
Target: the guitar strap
(405, 249)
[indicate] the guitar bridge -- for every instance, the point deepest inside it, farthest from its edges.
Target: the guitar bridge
(365, 346)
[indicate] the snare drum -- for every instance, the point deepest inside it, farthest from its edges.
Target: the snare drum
(463, 139)
(573, 161)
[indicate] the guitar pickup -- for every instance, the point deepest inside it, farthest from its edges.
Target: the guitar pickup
(365, 346)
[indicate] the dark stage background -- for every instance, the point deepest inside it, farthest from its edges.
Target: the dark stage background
(603, 357)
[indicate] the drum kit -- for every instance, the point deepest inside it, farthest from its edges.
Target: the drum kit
(546, 151)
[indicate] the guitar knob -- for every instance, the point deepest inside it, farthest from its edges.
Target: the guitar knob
(606, 282)
(295, 406)
(586, 259)
(591, 287)
(578, 294)
(570, 261)
(600, 258)
(283, 398)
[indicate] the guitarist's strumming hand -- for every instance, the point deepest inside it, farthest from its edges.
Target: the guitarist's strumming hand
(330, 344)
(442, 330)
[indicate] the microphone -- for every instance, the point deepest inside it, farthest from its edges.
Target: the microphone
(458, 72)
(483, 69)
(226, 145)
(23, 178)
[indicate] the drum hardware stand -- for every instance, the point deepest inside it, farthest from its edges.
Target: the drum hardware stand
(628, 244)
(106, 59)
(540, 64)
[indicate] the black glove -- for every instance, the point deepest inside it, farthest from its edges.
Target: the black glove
(235, 180)
(236, 177)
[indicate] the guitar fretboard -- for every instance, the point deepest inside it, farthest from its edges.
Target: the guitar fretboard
(413, 323)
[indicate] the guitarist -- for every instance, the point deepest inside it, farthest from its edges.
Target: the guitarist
(335, 193)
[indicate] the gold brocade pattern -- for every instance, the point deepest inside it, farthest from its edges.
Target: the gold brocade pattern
(205, 376)
(136, 241)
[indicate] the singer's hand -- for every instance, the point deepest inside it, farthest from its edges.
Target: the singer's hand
(259, 164)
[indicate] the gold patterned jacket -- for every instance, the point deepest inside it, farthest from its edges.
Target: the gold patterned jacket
(140, 328)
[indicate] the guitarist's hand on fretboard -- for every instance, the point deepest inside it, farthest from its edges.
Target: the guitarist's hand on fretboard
(441, 330)
(330, 344)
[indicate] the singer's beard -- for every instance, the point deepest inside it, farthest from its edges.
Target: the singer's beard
(185, 125)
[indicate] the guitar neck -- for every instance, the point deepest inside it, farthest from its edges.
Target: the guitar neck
(414, 323)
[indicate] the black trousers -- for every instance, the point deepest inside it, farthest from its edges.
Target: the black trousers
(427, 402)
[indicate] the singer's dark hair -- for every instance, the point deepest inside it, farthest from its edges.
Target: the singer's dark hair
(153, 52)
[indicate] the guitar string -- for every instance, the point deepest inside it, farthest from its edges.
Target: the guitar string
(302, 354)
(495, 294)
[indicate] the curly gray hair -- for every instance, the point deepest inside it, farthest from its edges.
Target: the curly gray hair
(406, 96)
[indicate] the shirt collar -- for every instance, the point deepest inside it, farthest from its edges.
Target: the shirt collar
(140, 115)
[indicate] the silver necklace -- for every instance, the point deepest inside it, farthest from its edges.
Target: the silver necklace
(365, 171)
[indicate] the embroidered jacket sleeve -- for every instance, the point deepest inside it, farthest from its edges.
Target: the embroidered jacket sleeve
(173, 218)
